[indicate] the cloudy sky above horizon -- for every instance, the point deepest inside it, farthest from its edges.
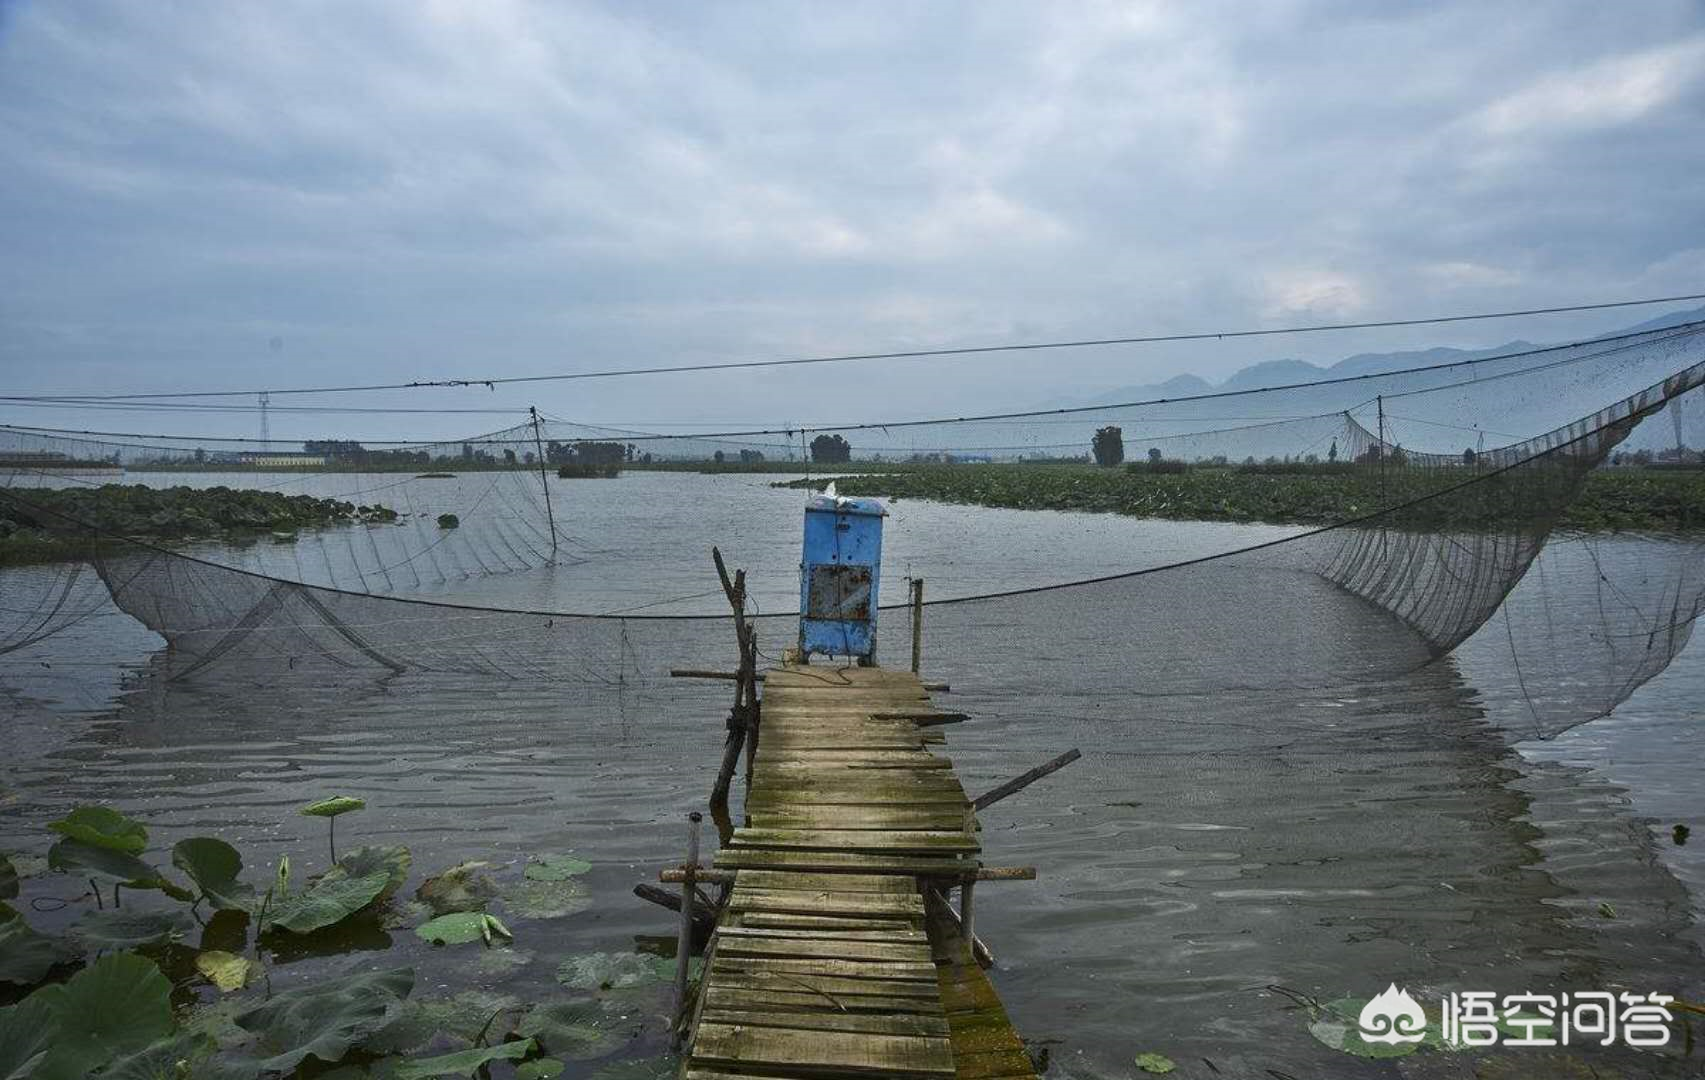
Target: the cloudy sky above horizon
(225, 196)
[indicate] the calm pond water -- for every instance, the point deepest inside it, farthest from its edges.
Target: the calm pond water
(1205, 850)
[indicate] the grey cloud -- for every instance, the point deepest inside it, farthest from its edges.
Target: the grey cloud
(402, 191)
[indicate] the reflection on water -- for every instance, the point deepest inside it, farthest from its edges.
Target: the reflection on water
(1205, 848)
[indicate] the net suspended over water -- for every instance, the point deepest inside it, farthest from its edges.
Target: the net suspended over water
(1416, 515)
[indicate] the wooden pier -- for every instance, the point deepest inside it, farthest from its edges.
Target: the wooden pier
(837, 954)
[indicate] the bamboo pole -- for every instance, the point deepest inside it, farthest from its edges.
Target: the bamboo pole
(544, 479)
(684, 944)
(1019, 783)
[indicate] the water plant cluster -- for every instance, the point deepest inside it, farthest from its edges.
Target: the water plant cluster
(167, 514)
(1632, 499)
(122, 994)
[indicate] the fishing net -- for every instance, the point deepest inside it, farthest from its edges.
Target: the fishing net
(1409, 535)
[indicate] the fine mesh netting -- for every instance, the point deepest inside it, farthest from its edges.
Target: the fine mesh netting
(1427, 517)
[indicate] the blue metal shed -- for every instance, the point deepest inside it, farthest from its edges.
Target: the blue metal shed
(839, 577)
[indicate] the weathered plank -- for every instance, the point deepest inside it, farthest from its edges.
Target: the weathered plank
(784, 920)
(858, 839)
(896, 1024)
(832, 986)
(856, 862)
(899, 932)
(844, 1052)
(824, 948)
(808, 816)
(782, 879)
(809, 902)
(884, 971)
(789, 997)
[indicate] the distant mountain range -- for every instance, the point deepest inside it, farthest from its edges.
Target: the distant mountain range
(1270, 373)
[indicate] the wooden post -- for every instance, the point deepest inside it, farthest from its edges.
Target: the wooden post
(742, 719)
(1019, 783)
(966, 910)
(917, 624)
(684, 945)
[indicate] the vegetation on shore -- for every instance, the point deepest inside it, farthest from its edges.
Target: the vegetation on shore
(47, 524)
(1626, 498)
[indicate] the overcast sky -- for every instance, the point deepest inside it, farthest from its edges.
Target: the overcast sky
(233, 195)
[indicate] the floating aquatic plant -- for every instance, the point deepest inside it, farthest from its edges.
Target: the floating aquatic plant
(330, 809)
(102, 827)
(119, 1005)
(213, 866)
(26, 955)
(462, 1062)
(555, 867)
(460, 888)
(227, 971)
(575, 1030)
(117, 929)
(459, 928)
(326, 1020)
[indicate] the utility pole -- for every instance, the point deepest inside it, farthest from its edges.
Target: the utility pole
(544, 479)
(265, 427)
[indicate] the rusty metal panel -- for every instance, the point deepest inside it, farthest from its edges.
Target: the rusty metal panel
(838, 592)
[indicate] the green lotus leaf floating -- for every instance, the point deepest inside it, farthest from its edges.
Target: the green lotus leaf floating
(26, 955)
(26, 1036)
(461, 927)
(613, 971)
(393, 860)
(121, 928)
(556, 867)
(570, 1029)
(102, 827)
(116, 1007)
(466, 1016)
(325, 903)
(326, 1020)
(1154, 1063)
(161, 1060)
(460, 1063)
(460, 888)
(214, 866)
(539, 1069)
(529, 899)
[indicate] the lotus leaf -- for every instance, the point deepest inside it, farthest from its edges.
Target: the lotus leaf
(8, 879)
(102, 827)
(166, 1059)
(556, 867)
(464, 1016)
(126, 929)
(503, 960)
(117, 1006)
(325, 902)
(333, 806)
(28, 866)
(324, 1021)
(1154, 1063)
(460, 888)
(214, 866)
(26, 1033)
(462, 1062)
(393, 859)
(570, 1029)
(227, 971)
(459, 928)
(26, 956)
(545, 899)
(1337, 1026)
(613, 971)
(539, 1069)
(76, 857)
(404, 915)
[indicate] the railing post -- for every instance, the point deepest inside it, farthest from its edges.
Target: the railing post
(965, 909)
(917, 624)
(684, 944)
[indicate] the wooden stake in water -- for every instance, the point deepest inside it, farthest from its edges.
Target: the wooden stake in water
(684, 944)
(917, 624)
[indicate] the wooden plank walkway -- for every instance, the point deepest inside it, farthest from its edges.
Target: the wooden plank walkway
(828, 961)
